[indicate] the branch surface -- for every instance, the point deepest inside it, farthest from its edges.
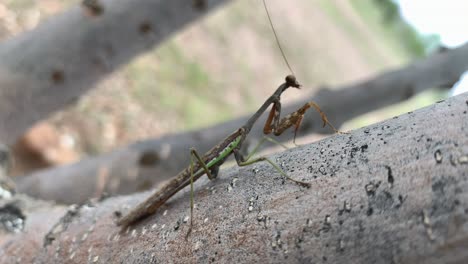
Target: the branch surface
(392, 192)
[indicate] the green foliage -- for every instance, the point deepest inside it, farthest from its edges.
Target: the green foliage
(164, 87)
(431, 42)
(389, 10)
(386, 13)
(359, 39)
(19, 5)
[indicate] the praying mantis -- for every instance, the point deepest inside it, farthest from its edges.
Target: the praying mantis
(210, 162)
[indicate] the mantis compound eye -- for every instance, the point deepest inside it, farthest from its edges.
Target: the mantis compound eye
(291, 81)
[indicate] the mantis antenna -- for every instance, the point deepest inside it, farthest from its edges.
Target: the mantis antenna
(276, 37)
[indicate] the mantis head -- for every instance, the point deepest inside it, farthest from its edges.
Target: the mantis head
(292, 82)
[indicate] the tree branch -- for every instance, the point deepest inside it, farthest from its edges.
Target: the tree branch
(46, 69)
(391, 192)
(146, 163)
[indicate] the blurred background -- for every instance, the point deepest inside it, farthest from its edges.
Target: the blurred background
(226, 64)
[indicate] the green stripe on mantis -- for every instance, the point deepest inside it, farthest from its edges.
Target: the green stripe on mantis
(223, 154)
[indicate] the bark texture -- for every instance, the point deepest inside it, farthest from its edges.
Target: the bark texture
(146, 163)
(46, 69)
(393, 192)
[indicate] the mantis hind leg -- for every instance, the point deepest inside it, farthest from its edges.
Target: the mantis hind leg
(265, 138)
(241, 161)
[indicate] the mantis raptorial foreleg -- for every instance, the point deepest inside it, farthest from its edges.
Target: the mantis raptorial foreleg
(293, 119)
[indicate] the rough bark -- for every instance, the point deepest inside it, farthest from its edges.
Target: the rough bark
(43, 70)
(393, 192)
(143, 164)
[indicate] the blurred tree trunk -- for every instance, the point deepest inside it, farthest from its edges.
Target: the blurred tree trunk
(46, 69)
(392, 192)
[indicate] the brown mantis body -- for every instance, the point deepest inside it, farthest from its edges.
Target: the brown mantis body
(209, 163)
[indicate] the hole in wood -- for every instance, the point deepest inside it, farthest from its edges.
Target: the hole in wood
(145, 27)
(57, 77)
(200, 5)
(148, 158)
(93, 7)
